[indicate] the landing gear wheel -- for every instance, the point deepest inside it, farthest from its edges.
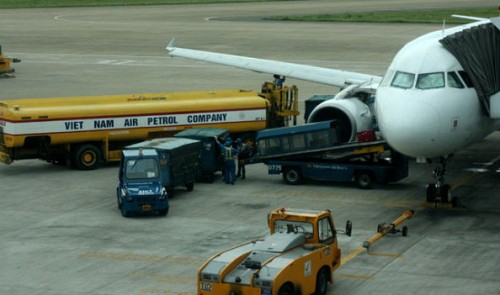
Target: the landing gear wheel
(445, 193)
(431, 192)
(86, 157)
(286, 289)
(364, 180)
(292, 176)
(321, 282)
(189, 186)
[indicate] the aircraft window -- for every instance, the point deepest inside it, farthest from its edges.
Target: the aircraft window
(430, 80)
(467, 80)
(454, 81)
(403, 80)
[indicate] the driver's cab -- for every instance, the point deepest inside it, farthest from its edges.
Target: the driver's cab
(316, 225)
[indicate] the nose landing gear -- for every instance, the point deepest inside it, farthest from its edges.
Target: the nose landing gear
(440, 192)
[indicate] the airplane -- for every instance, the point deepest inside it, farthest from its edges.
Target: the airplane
(440, 93)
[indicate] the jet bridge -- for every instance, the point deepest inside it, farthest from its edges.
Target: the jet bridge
(478, 51)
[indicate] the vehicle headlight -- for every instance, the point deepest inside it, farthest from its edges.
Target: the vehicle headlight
(124, 191)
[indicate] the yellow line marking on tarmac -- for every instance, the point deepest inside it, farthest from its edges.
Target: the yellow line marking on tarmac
(357, 277)
(400, 256)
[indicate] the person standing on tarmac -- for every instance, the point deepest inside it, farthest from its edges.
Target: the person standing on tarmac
(243, 154)
(230, 154)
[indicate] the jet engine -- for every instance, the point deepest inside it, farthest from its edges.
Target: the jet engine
(352, 116)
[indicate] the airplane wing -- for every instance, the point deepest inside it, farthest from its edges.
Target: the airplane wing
(303, 72)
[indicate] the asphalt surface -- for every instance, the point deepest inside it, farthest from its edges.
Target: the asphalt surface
(61, 231)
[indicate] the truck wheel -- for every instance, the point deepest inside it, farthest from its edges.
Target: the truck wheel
(163, 212)
(404, 231)
(292, 176)
(125, 212)
(86, 157)
(189, 186)
(321, 282)
(286, 289)
(364, 180)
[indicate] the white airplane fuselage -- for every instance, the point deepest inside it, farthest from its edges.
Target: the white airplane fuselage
(424, 106)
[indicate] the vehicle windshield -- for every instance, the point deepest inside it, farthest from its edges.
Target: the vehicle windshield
(141, 168)
(294, 226)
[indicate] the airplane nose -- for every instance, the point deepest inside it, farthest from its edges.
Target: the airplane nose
(409, 127)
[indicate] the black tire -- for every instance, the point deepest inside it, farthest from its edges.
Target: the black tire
(431, 192)
(364, 180)
(404, 231)
(189, 186)
(321, 282)
(292, 175)
(118, 202)
(445, 193)
(210, 178)
(163, 212)
(125, 213)
(86, 157)
(286, 289)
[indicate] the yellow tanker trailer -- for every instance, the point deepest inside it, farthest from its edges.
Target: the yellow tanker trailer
(88, 130)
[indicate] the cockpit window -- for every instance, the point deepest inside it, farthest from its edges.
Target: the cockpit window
(454, 81)
(403, 80)
(430, 80)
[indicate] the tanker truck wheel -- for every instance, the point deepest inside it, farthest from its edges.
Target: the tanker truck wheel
(86, 157)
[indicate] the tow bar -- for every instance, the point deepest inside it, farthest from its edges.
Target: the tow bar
(383, 229)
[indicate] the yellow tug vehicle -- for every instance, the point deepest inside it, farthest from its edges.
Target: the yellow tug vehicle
(298, 257)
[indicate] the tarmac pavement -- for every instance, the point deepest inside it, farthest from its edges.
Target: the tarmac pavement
(61, 231)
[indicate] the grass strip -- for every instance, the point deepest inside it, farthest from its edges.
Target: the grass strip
(410, 16)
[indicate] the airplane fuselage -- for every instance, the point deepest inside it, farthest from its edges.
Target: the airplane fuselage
(426, 105)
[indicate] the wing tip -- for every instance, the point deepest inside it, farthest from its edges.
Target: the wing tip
(171, 45)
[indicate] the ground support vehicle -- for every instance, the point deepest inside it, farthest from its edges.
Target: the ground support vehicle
(212, 160)
(62, 130)
(140, 186)
(179, 160)
(298, 257)
(5, 68)
(313, 151)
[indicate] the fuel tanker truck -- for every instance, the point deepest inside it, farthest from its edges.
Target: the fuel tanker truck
(89, 130)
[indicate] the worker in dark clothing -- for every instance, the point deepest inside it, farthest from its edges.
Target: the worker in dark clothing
(230, 154)
(243, 154)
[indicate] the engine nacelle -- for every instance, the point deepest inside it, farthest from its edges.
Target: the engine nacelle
(352, 116)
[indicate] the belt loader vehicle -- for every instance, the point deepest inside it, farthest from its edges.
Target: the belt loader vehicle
(140, 186)
(88, 130)
(298, 257)
(314, 151)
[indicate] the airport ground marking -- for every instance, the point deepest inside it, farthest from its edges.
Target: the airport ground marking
(347, 276)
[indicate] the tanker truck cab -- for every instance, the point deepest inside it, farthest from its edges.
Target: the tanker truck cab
(140, 187)
(298, 257)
